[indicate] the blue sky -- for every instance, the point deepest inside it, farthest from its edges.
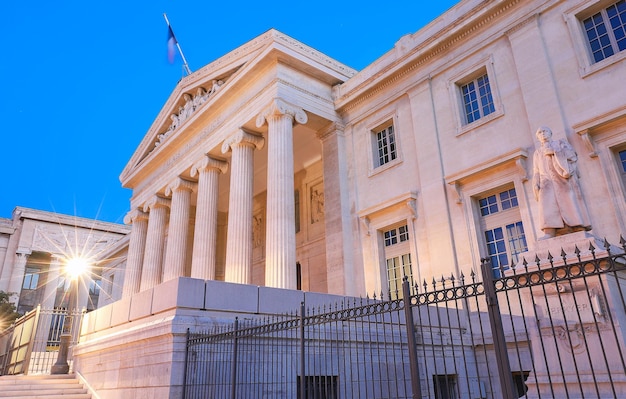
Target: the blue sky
(82, 81)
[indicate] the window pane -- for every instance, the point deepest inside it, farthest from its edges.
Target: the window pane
(386, 144)
(517, 240)
(622, 159)
(617, 18)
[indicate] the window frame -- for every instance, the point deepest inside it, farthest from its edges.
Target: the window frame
(477, 70)
(373, 129)
(574, 18)
(398, 252)
(501, 219)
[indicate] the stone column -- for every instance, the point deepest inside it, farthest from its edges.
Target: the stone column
(205, 235)
(176, 254)
(239, 237)
(17, 275)
(52, 282)
(136, 250)
(342, 278)
(155, 242)
(280, 252)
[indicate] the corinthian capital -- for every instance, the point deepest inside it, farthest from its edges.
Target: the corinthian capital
(281, 107)
(242, 137)
(207, 163)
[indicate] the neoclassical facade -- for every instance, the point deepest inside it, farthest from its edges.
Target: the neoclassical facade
(276, 174)
(278, 166)
(240, 177)
(35, 245)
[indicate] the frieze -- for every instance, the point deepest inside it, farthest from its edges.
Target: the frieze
(53, 240)
(192, 103)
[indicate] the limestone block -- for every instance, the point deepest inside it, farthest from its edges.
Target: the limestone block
(278, 300)
(102, 318)
(182, 292)
(231, 297)
(317, 300)
(120, 311)
(141, 304)
(89, 323)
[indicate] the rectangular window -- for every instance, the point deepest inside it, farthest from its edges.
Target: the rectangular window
(606, 31)
(397, 268)
(504, 232)
(394, 236)
(296, 203)
(31, 278)
(477, 99)
(622, 163)
(445, 386)
(385, 145)
(318, 387)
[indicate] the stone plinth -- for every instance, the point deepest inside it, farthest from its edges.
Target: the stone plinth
(580, 322)
(135, 347)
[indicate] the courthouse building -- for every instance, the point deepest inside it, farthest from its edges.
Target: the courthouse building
(280, 167)
(279, 170)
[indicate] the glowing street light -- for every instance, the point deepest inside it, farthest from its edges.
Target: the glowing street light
(74, 268)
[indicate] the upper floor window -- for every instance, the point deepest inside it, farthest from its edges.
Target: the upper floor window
(385, 139)
(621, 158)
(477, 98)
(606, 31)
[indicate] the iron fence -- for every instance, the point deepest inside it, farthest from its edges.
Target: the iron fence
(552, 329)
(31, 344)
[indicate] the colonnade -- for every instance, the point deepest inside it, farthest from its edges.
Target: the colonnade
(153, 259)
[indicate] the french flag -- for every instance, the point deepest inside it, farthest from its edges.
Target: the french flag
(171, 44)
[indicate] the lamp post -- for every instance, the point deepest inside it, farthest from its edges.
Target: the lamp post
(74, 268)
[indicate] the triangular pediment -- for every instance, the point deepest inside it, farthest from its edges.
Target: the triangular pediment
(203, 89)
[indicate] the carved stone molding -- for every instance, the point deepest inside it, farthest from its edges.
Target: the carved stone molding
(156, 202)
(331, 129)
(242, 137)
(135, 215)
(281, 107)
(366, 223)
(179, 184)
(206, 163)
(412, 205)
(587, 138)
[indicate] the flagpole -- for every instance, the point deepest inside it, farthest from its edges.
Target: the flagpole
(180, 51)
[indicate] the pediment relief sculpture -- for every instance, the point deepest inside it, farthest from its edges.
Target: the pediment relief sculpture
(191, 104)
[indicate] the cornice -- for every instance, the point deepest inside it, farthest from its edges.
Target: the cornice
(470, 22)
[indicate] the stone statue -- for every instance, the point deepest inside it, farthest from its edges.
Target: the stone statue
(556, 187)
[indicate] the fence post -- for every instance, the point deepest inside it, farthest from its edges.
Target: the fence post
(187, 335)
(302, 363)
(233, 377)
(416, 386)
(497, 331)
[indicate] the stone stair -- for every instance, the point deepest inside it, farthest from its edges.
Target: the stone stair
(42, 387)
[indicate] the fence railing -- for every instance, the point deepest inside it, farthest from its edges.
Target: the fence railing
(551, 329)
(31, 344)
